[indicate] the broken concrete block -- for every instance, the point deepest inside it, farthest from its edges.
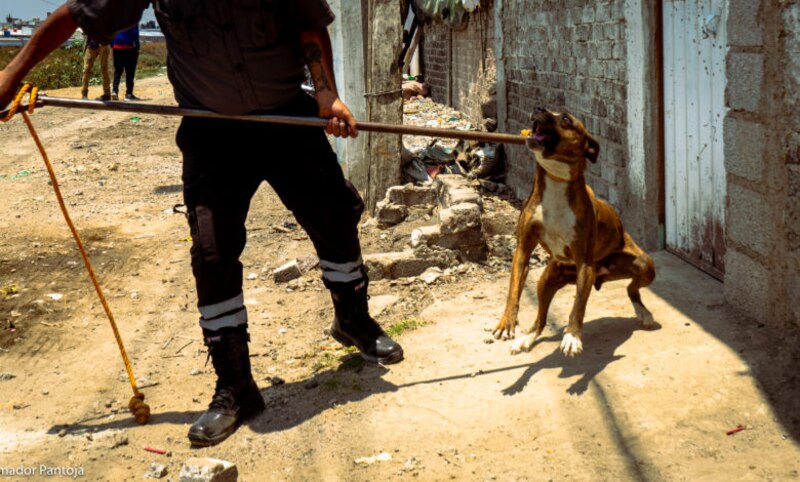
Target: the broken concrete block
(425, 235)
(468, 237)
(208, 470)
(411, 195)
(461, 195)
(287, 272)
(389, 213)
(433, 236)
(454, 189)
(443, 258)
(156, 471)
(307, 263)
(459, 217)
(395, 265)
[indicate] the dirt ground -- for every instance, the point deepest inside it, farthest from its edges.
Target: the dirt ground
(637, 405)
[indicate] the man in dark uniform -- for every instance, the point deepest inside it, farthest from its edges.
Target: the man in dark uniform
(239, 57)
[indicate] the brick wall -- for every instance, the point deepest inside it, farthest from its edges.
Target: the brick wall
(762, 154)
(460, 64)
(568, 58)
(436, 60)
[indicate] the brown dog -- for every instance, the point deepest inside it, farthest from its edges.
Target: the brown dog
(582, 233)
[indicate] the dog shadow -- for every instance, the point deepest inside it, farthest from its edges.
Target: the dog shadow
(601, 338)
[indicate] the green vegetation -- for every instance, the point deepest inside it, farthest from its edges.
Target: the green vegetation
(403, 326)
(64, 67)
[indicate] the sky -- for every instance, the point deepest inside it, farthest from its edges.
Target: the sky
(26, 9)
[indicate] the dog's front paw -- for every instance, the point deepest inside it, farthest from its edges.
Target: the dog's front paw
(504, 330)
(571, 345)
(524, 343)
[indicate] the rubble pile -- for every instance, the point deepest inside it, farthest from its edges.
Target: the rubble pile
(424, 158)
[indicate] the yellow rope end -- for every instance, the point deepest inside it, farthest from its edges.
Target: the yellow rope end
(139, 409)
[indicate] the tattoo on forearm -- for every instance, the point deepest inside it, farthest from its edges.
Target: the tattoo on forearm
(313, 56)
(312, 53)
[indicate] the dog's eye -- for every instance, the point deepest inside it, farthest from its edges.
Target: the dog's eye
(566, 119)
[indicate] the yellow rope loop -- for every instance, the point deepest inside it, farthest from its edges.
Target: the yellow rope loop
(12, 110)
(32, 99)
(139, 409)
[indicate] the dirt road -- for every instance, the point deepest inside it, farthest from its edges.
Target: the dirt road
(637, 405)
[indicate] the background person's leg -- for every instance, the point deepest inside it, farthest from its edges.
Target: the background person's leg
(104, 53)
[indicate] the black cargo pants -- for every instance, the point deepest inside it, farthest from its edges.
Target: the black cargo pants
(224, 162)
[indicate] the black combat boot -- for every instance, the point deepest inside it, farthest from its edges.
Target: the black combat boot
(352, 325)
(236, 397)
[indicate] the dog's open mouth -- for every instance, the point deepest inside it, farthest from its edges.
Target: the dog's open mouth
(542, 135)
(538, 134)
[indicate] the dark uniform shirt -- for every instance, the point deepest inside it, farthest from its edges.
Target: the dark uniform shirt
(229, 56)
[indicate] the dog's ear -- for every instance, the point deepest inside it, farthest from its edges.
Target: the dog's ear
(592, 149)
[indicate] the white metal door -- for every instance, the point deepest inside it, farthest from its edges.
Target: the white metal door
(694, 111)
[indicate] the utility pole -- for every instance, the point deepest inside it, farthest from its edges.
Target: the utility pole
(384, 99)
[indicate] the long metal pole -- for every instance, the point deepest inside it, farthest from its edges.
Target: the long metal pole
(141, 108)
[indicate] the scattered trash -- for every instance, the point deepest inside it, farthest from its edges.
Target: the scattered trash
(19, 175)
(474, 159)
(732, 431)
(7, 376)
(55, 296)
(135, 118)
(155, 450)
(381, 457)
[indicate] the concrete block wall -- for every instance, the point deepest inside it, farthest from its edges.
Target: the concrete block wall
(568, 55)
(460, 64)
(762, 155)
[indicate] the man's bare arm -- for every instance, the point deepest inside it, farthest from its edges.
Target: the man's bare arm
(319, 59)
(54, 31)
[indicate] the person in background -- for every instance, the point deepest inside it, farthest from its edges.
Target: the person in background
(126, 56)
(91, 51)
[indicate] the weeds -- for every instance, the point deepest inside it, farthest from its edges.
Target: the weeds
(64, 66)
(403, 326)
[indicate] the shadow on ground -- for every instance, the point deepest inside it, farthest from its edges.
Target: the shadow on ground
(772, 355)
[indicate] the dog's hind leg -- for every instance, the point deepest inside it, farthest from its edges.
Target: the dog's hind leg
(528, 229)
(632, 262)
(554, 277)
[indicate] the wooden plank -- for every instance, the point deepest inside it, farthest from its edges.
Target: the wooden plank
(694, 188)
(719, 175)
(668, 9)
(681, 131)
(704, 219)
